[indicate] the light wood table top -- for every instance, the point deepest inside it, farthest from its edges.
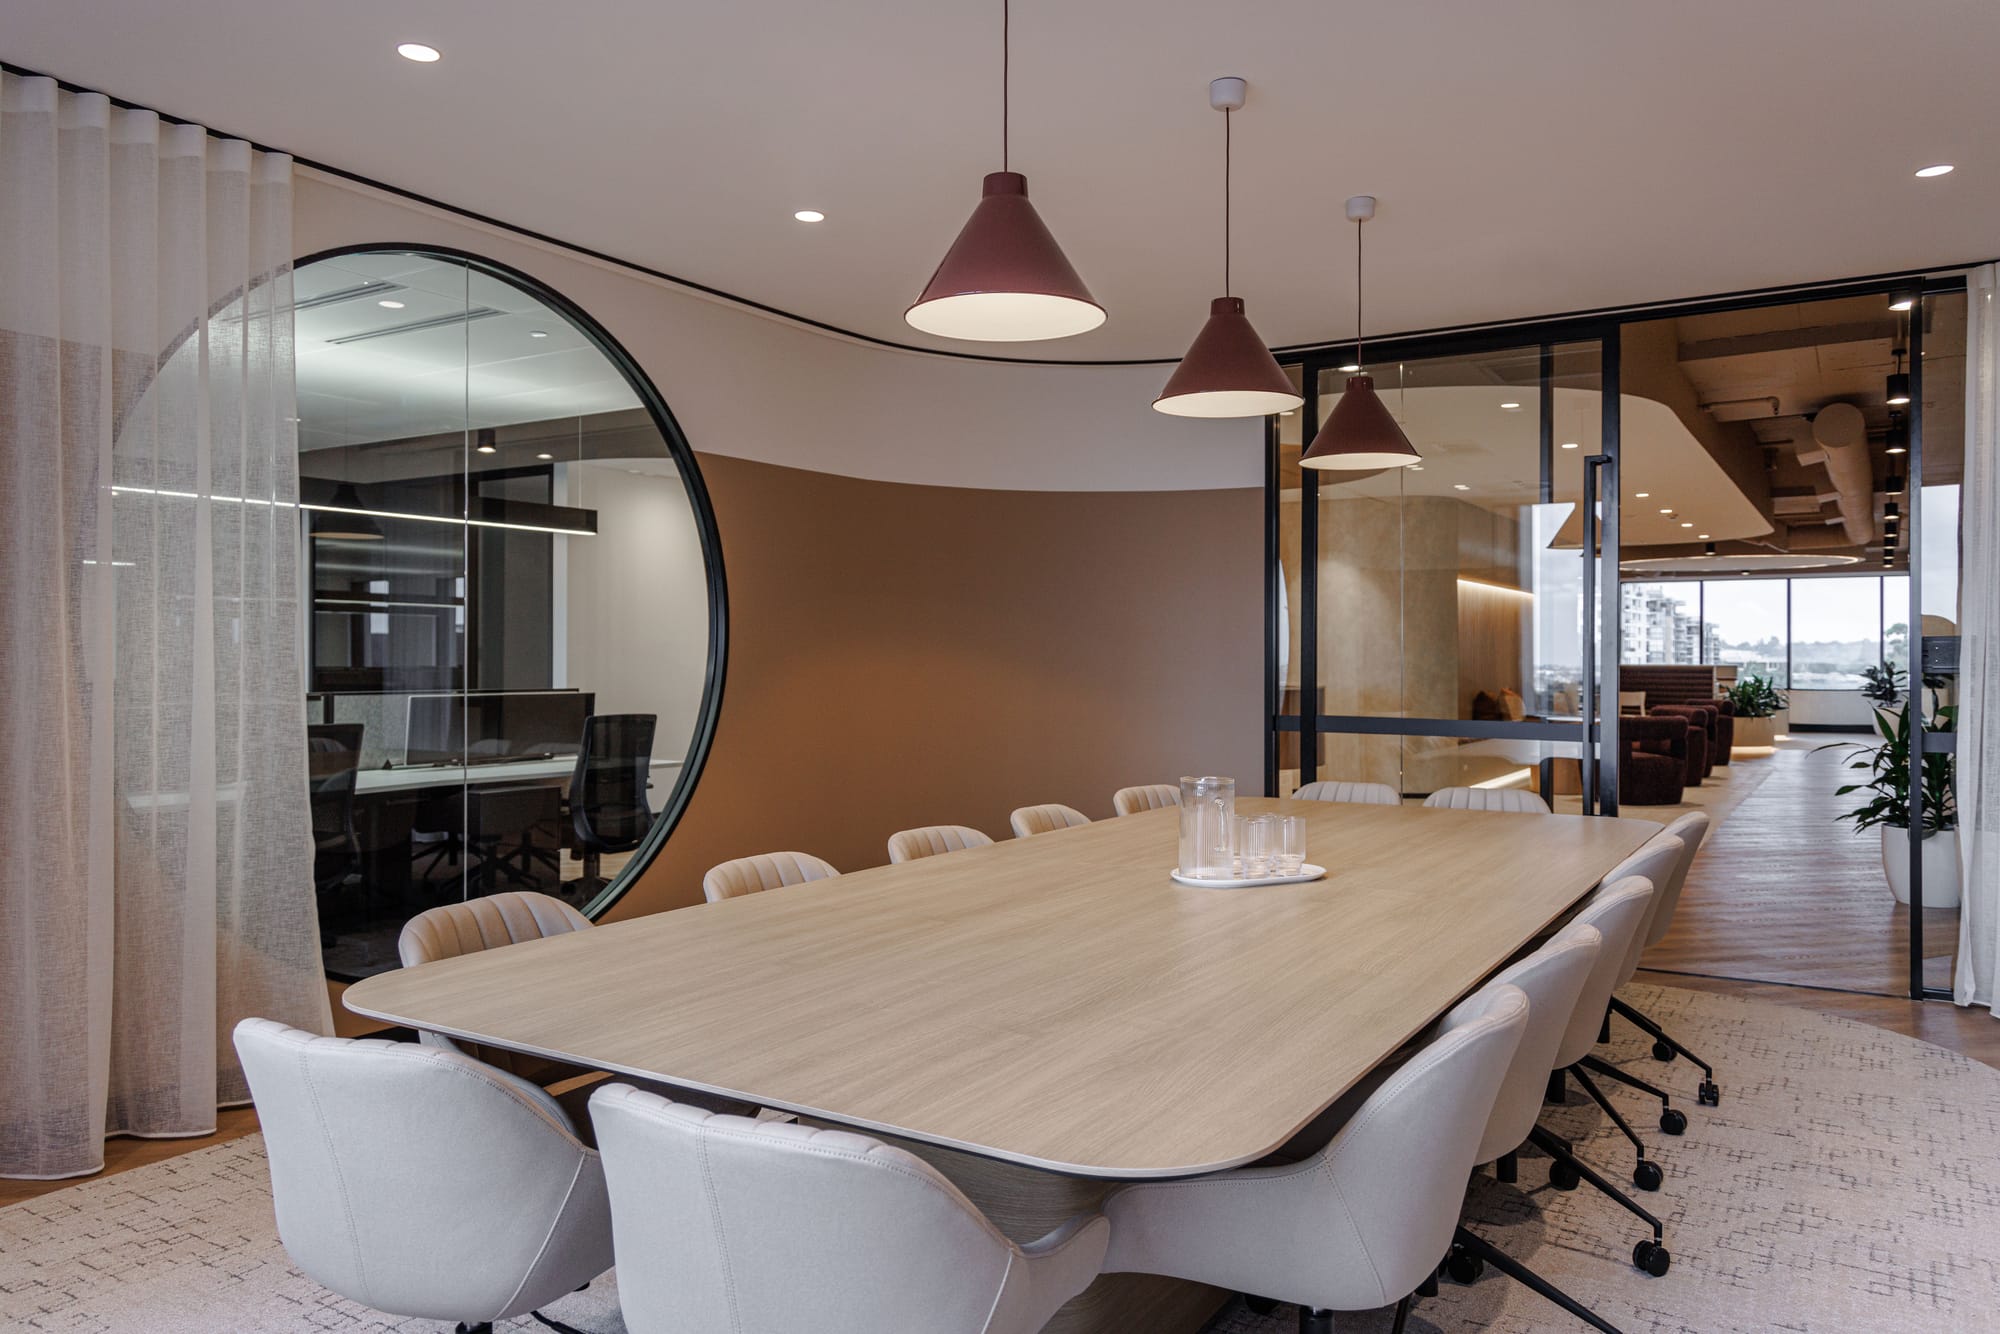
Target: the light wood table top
(1054, 1001)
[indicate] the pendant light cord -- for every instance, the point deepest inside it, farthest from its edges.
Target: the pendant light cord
(1006, 75)
(1359, 224)
(1227, 146)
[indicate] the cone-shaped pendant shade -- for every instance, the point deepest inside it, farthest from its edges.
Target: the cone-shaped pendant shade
(1005, 280)
(1227, 372)
(349, 527)
(1360, 434)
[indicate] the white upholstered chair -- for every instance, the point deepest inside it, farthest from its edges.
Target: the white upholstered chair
(909, 845)
(452, 929)
(1515, 800)
(1032, 820)
(767, 1227)
(421, 1182)
(1146, 797)
(1654, 863)
(1618, 911)
(769, 870)
(1359, 1224)
(1552, 978)
(1691, 829)
(1355, 794)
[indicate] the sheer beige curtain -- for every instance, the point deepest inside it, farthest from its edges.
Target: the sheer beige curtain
(154, 831)
(1976, 980)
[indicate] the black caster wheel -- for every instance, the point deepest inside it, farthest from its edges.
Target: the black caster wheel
(1674, 1121)
(1652, 1257)
(1564, 1176)
(1662, 1052)
(1464, 1268)
(1266, 1305)
(1648, 1176)
(1709, 1094)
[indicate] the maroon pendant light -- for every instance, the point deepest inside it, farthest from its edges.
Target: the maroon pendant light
(1005, 279)
(1227, 372)
(1360, 434)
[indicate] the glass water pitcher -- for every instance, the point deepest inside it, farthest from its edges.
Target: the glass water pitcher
(1208, 819)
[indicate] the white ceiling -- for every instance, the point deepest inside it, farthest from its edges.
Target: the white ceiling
(401, 379)
(1530, 157)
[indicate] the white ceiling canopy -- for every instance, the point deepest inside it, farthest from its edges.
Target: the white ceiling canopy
(1534, 157)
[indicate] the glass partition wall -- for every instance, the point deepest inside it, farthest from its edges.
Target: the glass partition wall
(1446, 623)
(1438, 623)
(515, 628)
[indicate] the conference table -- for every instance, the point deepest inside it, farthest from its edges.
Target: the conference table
(1047, 1016)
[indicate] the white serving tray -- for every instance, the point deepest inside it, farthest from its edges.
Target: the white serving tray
(1306, 872)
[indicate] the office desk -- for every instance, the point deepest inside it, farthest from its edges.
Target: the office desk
(1053, 1003)
(405, 778)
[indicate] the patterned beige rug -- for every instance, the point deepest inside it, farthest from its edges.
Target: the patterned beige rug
(1850, 1182)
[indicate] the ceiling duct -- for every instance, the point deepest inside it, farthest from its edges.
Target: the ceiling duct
(1842, 432)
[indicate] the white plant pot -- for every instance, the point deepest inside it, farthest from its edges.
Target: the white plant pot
(1940, 866)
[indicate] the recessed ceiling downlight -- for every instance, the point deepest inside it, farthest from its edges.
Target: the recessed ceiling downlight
(390, 305)
(1941, 169)
(429, 55)
(809, 215)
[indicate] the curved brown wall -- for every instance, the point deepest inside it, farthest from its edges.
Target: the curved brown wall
(905, 655)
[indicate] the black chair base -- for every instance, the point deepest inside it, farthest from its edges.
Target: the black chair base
(1471, 1253)
(1646, 1175)
(1321, 1322)
(1673, 1121)
(1665, 1048)
(1567, 1171)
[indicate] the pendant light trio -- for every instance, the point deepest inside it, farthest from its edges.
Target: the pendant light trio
(1006, 280)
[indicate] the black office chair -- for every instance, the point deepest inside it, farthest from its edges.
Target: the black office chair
(333, 758)
(608, 806)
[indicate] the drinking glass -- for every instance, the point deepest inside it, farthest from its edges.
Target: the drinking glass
(1291, 853)
(1239, 844)
(1261, 853)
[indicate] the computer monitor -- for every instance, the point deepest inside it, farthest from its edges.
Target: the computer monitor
(494, 726)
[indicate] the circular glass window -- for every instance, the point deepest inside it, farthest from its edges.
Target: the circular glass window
(515, 626)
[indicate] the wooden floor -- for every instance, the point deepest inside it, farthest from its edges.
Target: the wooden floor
(122, 1153)
(1782, 892)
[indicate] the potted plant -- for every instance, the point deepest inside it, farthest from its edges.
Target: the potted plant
(1888, 803)
(1760, 711)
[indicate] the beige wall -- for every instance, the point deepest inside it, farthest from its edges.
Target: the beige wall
(907, 655)
(961, 605)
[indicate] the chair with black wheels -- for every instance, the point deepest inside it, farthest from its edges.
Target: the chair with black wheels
(608, 804)
(333, 761)
(1552, 978)
(1618, 910)
(1690, 829)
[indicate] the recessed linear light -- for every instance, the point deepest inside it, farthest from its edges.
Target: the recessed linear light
(538, 333)
(429, 55)
(1569, 444)
(809, 215)
(390, 305)
(1941, 169)
(1510, 407)
(344, 509)
(1641, 495)
(1903, 303)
